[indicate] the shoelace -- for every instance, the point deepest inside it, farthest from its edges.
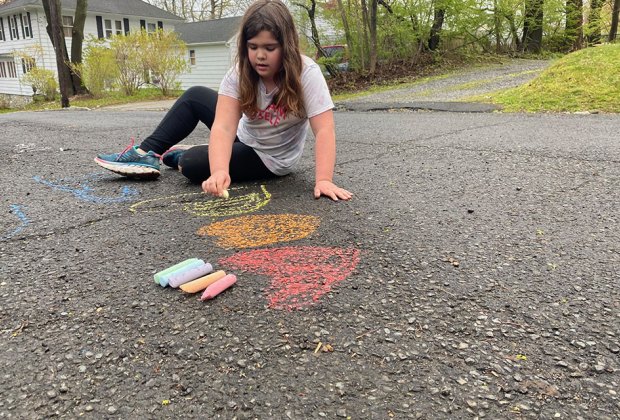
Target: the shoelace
(131, 145)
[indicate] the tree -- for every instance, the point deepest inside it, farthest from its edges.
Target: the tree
(54, 30)
(613, 30)
(438, 18)
(77, 39)
(594, 22)
(533, 26)
(198, 10)
(574, 24)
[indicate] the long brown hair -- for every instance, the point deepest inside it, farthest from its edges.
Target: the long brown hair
(272, 16)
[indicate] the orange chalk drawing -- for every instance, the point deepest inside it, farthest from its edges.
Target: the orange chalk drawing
(202, 205)
(255, 231)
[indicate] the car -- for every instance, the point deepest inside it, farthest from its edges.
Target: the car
(336, 54)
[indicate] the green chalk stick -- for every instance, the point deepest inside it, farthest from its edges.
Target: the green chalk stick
(168, 270)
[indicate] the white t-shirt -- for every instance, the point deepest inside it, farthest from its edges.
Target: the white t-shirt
(277, 137)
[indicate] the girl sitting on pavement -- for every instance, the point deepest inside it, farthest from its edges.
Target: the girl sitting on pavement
(258, 121)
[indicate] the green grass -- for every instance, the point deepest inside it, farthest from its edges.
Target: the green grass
(586, 80)
(111, 98)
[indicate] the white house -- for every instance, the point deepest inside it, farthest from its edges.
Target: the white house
(212, 47)
(23, 31)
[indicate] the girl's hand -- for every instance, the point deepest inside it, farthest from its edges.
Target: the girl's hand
(216, 183)
(331, 190)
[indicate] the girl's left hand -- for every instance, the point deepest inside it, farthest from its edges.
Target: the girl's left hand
(331, 190)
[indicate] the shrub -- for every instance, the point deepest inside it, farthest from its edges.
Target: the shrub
(98, 69)
(43, 82)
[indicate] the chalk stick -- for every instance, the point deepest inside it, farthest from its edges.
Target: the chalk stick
(163, 280)
(202, 283)
(178, 279)
(225, 194)
(173, 268)
(219, 286)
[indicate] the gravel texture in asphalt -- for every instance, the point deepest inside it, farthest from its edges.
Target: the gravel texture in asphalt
(474, 274)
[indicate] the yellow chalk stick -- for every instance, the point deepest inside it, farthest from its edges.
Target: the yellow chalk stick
(202, 283)
(225, 194)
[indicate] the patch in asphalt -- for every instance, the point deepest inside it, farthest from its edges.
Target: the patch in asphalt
(419, 106)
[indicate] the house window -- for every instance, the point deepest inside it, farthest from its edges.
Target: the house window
(119, 27)
(2, 36)
(192, 57)
(2, 69)
(67, 26)
(28, 64)
(151, 28)
(108, 28)
(13, 27)
(25, 20)
(11, 67)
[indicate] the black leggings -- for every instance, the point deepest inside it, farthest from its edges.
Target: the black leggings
(198, 104)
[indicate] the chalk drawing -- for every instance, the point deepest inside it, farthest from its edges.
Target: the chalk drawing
(203, 205)
(81, 188)
(17, 211)
(255, 231)
(299, 275)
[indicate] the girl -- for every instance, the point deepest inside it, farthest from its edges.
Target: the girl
(258, 121)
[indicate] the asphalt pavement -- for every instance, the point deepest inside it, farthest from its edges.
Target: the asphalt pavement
(474, 274)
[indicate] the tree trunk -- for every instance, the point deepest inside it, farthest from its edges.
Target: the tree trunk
(510, 17)
(76, 43)
(345, 24)
(373, 36)
(497, 23)
(365, 26)
(613, 30)
(533, 26)
(54, 29)
(438, 18)
(574, 24)
(311, 10)
(594, 22)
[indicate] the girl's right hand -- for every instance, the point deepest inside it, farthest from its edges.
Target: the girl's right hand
(216, 183)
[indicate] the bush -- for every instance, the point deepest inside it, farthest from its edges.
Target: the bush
(42, 81)
(98, 69)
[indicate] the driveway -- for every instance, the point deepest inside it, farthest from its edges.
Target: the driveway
(474, 274)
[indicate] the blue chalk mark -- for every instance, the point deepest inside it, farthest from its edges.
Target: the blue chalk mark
(85, 192)
(16, 210)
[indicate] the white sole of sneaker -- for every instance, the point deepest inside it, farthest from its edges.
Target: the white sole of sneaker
(133, 171)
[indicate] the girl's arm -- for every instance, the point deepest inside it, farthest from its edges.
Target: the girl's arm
(325, 156)
(223, 132)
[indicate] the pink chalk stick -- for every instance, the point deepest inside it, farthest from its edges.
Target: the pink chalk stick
(187, 276)
(219, 286)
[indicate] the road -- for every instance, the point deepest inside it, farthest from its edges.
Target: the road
(474, 274)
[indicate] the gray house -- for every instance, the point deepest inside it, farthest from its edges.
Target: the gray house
(24, 41)
(212, 47)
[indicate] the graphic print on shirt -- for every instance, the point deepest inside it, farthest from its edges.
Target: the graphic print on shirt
(272, 114)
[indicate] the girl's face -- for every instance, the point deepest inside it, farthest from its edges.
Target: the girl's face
(265, 55)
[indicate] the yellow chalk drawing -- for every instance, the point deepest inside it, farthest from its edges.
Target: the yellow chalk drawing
(200, 204)
(255, 231)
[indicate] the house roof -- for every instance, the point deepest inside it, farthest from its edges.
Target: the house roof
(116, 7)
(208, 31)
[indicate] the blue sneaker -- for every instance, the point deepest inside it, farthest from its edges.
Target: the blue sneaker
(130, 163)
(171, 156)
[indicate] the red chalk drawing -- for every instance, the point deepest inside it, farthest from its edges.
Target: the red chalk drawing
(299, 275)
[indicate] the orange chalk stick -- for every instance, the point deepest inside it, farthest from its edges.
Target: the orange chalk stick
(202, 283)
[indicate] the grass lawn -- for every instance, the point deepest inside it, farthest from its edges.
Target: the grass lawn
(586, 80)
